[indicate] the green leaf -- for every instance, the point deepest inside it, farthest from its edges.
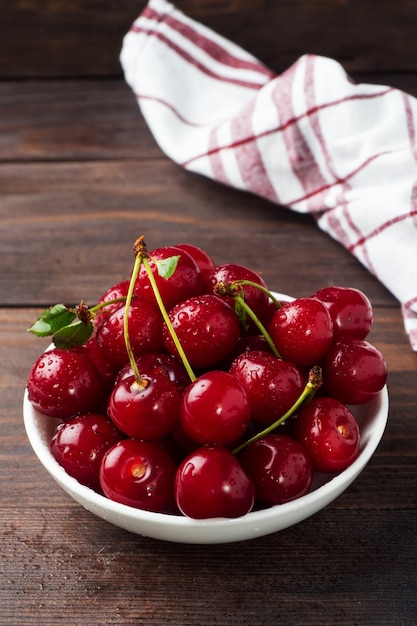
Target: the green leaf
(52, 320)
(166, 267)
(73, 335)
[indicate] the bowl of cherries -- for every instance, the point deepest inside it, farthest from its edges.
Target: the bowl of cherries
(192, 404)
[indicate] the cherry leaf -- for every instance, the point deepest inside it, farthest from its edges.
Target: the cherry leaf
(166, 267)
(73, 335)
(52, 320)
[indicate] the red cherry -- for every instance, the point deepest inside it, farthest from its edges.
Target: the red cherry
(210, 482)
(279, 468)
(256, 299)
(159, 363)
(113, 293)
(329, 432)
(354, 371)
(64, 382)
(244, 344)
(350, 310)
(272, 385)
(207, 329)
(140, 474)
(79, 444)
(200, 256)
(145, 332)
(147, 412)
(184, 283)
(302, 331)
(215, 409)
(97, 356)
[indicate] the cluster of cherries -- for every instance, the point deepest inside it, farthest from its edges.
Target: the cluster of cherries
(189, 389)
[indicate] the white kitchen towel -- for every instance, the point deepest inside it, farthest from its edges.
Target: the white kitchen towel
(309, 139)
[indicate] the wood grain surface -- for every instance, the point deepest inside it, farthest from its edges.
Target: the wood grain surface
(79, 38)
(80, 179)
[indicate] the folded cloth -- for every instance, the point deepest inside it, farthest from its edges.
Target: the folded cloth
(309, 139)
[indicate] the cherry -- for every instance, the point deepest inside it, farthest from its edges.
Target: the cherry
(354, 371)
(206, 327)
(79, 444)
(154, 363)
(245, 343)
(272, 385)
(145, 329)
(329, 432)
(140, 474)
(279, 468)
(215, 408)
(200, 256)
(210, 482)
(116, 292)
(64, 382)
(350, 310)
(145, 412)
(96, 354)
(185, 282)
(255, 298)
(302, 331)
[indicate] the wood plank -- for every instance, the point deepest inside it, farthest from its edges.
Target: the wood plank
(84, 38)
(90, 119)
(61, 120)
(63, 562)
(69, 228)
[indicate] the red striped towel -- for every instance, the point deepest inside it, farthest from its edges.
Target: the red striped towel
(309, 139)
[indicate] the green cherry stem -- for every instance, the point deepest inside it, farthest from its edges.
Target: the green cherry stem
(140, 383)
(167, 321)
(314, 382)
(256, 320)
(102, 305)
(251, 283)
(235, 291)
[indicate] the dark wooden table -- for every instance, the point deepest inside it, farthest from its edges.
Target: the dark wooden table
(80, 178)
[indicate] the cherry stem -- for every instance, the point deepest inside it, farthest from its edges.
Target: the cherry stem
(258, 323)
(167, 321)
(140, 382)
(314, 382)
(251, 283)
(97, 308)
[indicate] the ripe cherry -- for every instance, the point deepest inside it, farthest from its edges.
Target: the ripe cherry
(145, 330)
(207, 328)
(79, 444)
(279, 468)
(302, 331)
(117, 291)
(184, 283)
(350, 310)
(272, 385)
(354, 371)
(145, 412)
(210, 482)
(97, 356)
(64, 382)
(215, 409)
(329, 432)
(200, 256)
(155, 363)
(256, 299)
(140, 474)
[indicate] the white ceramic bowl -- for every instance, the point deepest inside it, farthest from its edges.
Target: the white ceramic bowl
(372, 418)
